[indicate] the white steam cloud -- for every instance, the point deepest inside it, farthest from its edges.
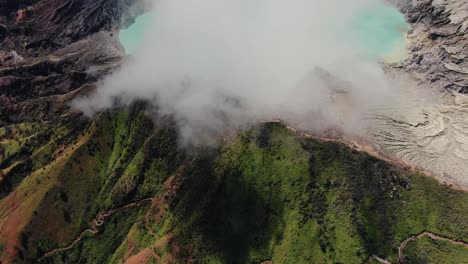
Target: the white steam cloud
(217, 65)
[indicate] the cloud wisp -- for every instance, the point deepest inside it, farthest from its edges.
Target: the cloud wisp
(218, 65)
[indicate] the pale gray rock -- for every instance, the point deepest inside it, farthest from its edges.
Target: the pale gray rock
(431, 136)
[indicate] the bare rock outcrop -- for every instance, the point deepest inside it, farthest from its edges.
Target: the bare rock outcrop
(438, 43)
(434, 136)
(53, 50)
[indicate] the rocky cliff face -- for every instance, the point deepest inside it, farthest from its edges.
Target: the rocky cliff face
(36, 27)
(432, 136)
(53, 50)
(438, 43)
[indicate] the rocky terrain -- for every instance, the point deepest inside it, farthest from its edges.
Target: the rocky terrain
(119, 189)
(430, 131)
(51, 50)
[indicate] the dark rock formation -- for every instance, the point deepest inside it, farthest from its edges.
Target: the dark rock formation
(35, 27)
(438, 43)
(52, 50)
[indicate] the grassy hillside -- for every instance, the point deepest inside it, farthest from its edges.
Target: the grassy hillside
(426, 250)
(266, 194)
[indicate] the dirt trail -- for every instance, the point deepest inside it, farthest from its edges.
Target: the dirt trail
(378, 259)
(170, 188)
(404, 244)
(97, 222)
(401, 256)
(148, 224)
(143, 255)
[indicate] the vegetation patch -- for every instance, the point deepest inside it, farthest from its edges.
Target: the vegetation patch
(266, 194)
(426, 250)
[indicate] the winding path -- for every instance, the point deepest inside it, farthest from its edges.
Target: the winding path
(401, 256)
(378, 259)
(97, 222)
(404, 244)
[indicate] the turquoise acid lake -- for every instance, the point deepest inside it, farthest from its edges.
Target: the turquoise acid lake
(380, 32)
(133, 36)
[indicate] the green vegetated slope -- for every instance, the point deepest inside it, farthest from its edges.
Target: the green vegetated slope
(426, 250)
(266, 194)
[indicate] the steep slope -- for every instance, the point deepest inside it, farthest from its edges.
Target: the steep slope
(266, 194)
